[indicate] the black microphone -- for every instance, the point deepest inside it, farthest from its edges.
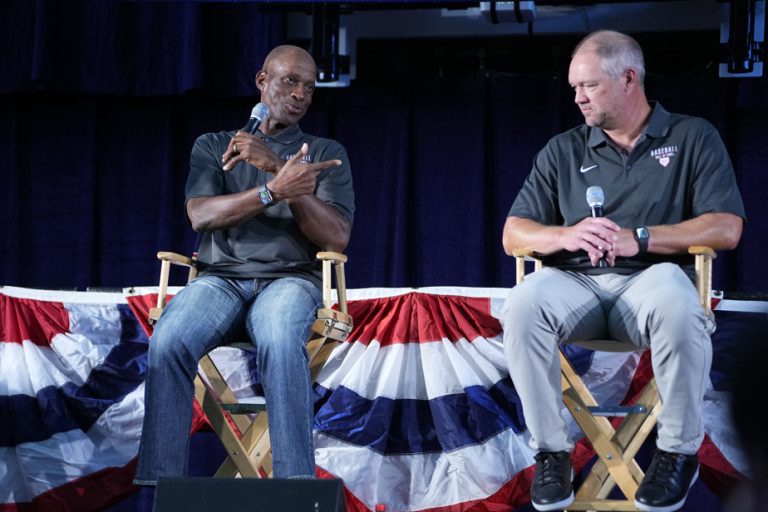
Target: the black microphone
(259, 114)
(595, 200)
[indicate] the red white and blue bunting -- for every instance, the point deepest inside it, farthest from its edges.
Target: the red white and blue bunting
(416, 410)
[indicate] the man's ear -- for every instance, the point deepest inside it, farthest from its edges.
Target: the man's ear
(630, 78)
(261, 77)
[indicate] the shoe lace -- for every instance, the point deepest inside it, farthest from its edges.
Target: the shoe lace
(663, 466)
(551, 469)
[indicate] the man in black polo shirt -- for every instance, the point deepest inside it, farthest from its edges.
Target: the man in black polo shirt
(668, 184)
(265, 203)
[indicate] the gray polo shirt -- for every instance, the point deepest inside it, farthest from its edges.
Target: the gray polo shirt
(679, 169)
(268, 245)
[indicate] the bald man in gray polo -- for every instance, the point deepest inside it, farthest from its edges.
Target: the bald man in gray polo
(668, 184)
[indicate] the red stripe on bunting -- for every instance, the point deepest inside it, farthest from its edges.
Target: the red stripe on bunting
(352, 503)
(95, 491)
(32, 320)
(715, 470)
(140, 305)
(422, 318)
(409, 318)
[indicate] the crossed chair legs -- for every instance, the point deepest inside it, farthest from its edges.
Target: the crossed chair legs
(664, 487)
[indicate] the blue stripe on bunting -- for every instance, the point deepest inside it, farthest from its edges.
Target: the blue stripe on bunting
(32, 419)
(28, 419)
(411, 426)
(579, 357)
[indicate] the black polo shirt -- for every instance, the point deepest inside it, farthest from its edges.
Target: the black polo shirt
(679, 169)
(271, 244)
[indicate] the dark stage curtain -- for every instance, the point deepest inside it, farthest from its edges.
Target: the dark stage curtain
(438, 162)
(102, 101)
(130, 48)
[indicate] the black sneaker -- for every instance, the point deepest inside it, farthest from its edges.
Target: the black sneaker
(665, 485)
(551, 488)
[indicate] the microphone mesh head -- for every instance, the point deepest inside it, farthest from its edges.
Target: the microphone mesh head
(260, 112)
(595, 196)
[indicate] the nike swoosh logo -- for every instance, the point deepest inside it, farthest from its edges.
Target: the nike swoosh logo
(585, 169)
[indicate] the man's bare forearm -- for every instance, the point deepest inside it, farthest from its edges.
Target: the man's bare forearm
(715, 230)
(525, 233)
(320, 222)
(224, 211)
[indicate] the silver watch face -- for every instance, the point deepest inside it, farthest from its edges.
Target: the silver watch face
(641, 233)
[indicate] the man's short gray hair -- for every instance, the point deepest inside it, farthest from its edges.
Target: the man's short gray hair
(618, 52)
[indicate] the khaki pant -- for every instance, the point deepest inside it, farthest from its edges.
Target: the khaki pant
(657, 308)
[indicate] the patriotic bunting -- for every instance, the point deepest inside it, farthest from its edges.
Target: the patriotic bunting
(416, 410)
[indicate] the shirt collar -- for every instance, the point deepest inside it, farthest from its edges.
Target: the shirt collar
(289, 135)
(658, 126)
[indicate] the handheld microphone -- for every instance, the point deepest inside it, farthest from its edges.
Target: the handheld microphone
(259, 114)
(595, 200)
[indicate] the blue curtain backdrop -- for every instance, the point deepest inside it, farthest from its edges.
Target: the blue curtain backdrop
(100, 103)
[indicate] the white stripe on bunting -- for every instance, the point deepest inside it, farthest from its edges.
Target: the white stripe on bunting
(413, 482)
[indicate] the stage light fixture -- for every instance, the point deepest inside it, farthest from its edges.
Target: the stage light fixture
(742, 35)
(509, 12)
(328, 41)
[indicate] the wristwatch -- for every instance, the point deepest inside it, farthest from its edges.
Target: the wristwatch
(266, 196)
(642, 235)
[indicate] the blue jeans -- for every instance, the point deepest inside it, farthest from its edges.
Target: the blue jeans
(276, 315)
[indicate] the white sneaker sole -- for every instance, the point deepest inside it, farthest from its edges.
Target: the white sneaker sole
(554, 506)
(668, 508)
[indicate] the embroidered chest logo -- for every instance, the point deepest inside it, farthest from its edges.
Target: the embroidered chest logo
(664, 155)
(306, 159)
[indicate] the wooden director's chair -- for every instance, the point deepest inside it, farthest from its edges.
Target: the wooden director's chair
(245, 437)
(615, 448)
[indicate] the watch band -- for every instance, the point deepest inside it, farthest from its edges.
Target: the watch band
(642, 235)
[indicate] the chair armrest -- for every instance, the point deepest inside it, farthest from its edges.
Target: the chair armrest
(332, 256)
(702, 250)
(333, 324)
(703, 257)
(330, 323)
(167, 259)
(338, 260)
(521, 255)
(176, 259)
(172, 258)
